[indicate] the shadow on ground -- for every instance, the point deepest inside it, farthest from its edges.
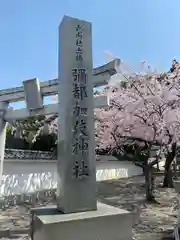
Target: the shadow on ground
(156, 220)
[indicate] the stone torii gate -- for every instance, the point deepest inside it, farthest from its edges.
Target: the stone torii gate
(33, 93)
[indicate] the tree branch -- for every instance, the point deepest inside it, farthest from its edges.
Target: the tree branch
(139, 164)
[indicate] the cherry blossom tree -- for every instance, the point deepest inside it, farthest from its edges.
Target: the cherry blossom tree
(146, 108)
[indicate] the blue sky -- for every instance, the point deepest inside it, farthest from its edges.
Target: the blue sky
(133, 30)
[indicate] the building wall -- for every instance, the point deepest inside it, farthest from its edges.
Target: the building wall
(23, 176)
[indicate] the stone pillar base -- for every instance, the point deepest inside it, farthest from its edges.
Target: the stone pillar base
(106, 223)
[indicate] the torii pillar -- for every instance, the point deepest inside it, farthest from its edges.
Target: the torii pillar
(3, 124)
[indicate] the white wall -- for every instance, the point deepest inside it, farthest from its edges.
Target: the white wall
(23, 176)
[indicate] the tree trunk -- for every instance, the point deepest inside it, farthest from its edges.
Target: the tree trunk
(168, 175)
(149, 184)
(168, 172)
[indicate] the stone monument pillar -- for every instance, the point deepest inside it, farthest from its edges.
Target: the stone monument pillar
(76, 151)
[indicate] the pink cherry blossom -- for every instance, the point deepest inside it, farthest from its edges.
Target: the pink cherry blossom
(148, 107)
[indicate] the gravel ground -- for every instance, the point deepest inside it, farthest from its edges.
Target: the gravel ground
(156, 220)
